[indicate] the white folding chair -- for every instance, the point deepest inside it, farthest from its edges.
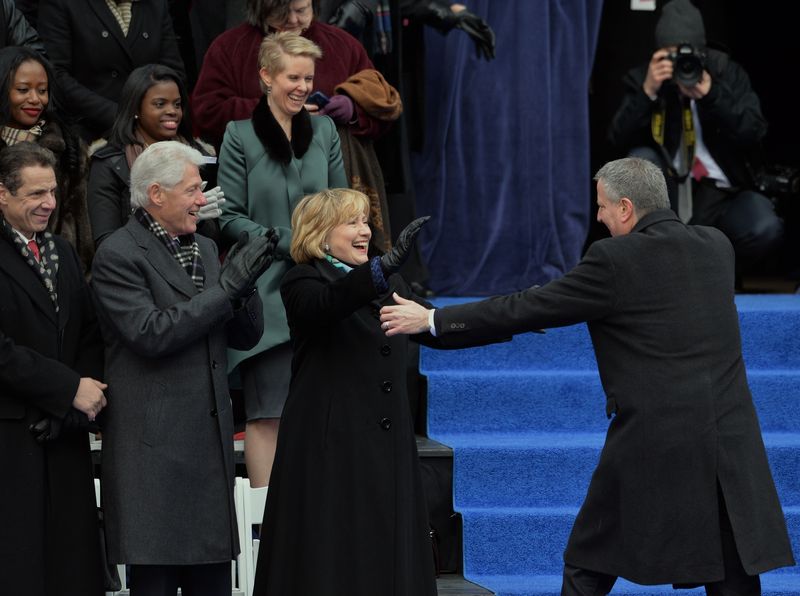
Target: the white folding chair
(250, 504)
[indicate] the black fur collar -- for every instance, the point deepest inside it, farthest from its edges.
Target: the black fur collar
(274, 139)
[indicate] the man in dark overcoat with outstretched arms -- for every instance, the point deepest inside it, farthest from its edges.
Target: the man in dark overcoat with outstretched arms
(683, 492)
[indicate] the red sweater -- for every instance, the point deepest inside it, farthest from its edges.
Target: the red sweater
(227, 87)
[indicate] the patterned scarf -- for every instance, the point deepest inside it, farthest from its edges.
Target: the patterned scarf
(47, 265)
(338, 264)
(134, 150)
(12, 136)
(121, 9)
(184, 248)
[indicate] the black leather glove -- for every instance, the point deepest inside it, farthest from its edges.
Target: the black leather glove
(50, 428)
(47, 429)
(352, 16)
(438, 14)
(394, 259)
(479, 31)
(245, 263)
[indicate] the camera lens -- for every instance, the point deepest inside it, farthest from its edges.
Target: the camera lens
(688, 65)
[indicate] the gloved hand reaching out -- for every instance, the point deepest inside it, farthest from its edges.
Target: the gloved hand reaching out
(212, 209)
(394, 259)
(340, 108)
(246, 262)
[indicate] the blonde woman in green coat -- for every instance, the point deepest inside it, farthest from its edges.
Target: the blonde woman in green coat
(267, 165)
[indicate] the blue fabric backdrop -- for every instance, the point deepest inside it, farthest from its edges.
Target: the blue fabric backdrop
(505, 168)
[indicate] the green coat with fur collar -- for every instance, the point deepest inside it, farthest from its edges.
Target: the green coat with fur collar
(264, 176)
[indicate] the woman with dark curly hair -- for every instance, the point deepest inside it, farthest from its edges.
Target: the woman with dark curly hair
(29, 111)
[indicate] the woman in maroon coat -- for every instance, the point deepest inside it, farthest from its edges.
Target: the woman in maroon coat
(227, 89)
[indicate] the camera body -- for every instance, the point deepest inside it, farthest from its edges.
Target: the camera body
(688, 64)
(779, 180)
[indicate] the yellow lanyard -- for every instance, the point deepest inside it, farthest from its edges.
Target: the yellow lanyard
(657, 121)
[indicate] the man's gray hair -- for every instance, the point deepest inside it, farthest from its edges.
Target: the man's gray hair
(162, 163)
(639, 180)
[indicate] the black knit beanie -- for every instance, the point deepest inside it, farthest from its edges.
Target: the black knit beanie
(680, 22)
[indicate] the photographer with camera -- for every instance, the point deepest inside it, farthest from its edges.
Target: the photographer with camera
(692, 111)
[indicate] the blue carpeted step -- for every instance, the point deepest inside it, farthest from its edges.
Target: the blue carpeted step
(531, 540)
(515, 401)
(554, 469)
(569, 400)
(526, 421)
(550, 585)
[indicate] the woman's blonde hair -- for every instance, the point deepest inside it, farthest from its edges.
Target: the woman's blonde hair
(316, 215)
(276, 46)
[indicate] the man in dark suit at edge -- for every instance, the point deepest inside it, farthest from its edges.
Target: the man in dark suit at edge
(683, 492)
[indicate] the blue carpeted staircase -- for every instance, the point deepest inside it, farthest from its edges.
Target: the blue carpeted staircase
(526, 421)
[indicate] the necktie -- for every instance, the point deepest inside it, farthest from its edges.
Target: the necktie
(699, 171)
(34, 248)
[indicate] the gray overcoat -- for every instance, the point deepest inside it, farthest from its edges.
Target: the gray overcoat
(167, 465)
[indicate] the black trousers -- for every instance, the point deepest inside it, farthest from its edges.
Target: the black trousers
(213, 579)
(582, 582)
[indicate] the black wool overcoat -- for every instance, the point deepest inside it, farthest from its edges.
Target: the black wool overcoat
(48, 534)
(659, 304)
(345, 510)
(93, 57)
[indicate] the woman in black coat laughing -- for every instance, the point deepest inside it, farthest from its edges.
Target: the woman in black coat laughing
(345, 511)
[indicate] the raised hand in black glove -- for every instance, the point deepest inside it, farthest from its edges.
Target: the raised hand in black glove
(479, 31)
(245, 263)
(394, 259)
(352, 16)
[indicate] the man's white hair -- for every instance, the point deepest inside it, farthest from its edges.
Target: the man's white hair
(162, 163)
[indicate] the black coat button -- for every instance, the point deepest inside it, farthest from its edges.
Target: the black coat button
(386, 386)
(386, 424)
(146, 35)
(386, 349)
(214, 364)
(213, 413)
(114, 74)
